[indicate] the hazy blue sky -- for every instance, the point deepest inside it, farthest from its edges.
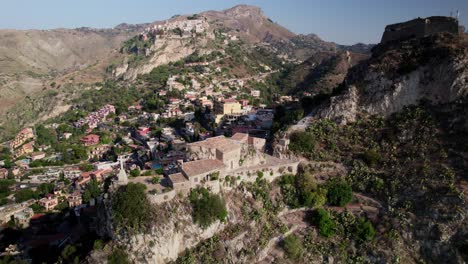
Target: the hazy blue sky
(341, 21)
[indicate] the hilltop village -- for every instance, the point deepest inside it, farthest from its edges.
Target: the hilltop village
(191, 133)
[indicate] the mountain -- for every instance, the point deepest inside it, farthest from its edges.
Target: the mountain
(249, 23)
(39, 67)
(321, 73)
(403, 73)
(37, 63)
(398, 126)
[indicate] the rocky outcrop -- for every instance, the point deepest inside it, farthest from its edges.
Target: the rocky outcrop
(171, 232)
(434, 69)
(164, 51)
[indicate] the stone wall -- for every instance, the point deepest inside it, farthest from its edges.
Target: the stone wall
(250, 174)
(160, 198)
(420, 27)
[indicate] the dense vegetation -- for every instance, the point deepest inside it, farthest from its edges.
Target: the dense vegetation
(130, 207)
(207, 207)
(404, 161)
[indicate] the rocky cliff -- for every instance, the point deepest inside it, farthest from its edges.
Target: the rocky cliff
(401, 74)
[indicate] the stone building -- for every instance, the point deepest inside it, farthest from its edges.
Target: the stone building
(420, 27)
(216, 158)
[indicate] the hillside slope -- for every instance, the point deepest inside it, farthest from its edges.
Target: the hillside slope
(401, 74)
(321, 73)
(38, 63)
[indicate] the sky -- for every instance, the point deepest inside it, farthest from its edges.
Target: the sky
(340, 21)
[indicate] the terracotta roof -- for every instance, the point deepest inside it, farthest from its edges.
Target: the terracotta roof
(177, 178)
(197, 167)
(220, 143)
(240, 137)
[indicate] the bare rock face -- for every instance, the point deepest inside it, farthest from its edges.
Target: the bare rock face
(433, 69)
(163, 51)
(342, 108)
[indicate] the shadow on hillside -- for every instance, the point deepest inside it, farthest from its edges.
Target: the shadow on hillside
(47, 235)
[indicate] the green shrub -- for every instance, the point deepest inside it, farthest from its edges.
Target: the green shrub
(260, 174)
(293, 247)
(207, 207)
(326, 225)
(364, 230)
(371, 157)
(98, 245)
(118, 256)
(130, 206)
(155, 180)
(339, 193)
(135, 173)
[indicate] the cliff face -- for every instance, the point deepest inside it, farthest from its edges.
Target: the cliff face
(321, 73)
(171, 232)
(401, 74)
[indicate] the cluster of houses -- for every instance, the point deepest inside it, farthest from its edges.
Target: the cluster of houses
(21, 213)
(23, 143)
(185, 25)
(94, 118)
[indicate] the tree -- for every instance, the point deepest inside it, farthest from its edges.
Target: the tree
(339, 193)
(325, 224)
(45, 136)
(45, 188)
(135, 173)
(92, 191)
(293, 247)
(364, 230)
(118, 256)
(5, 187)
(24, 195)
(371, 157)
(68, 252)
(207, 207)
(131, 207)
(87, 167)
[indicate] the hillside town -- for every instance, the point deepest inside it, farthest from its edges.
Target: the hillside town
(202, 128)
(223, 137)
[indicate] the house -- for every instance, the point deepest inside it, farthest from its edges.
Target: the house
(25, 149)
(221, 148)
(8, 211)
(37, 156)
(255, 93)
(67, 135)
(244, 102)
(143, 131)
(23, 217)
(74, 199)
(98, 151)
(227, 107)
(90, 140)
(100, 175)
(257, 143)
(200, 171)
(49, 202)
(71, 173)
(179, 183)
(3, 173)
(189, 116)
